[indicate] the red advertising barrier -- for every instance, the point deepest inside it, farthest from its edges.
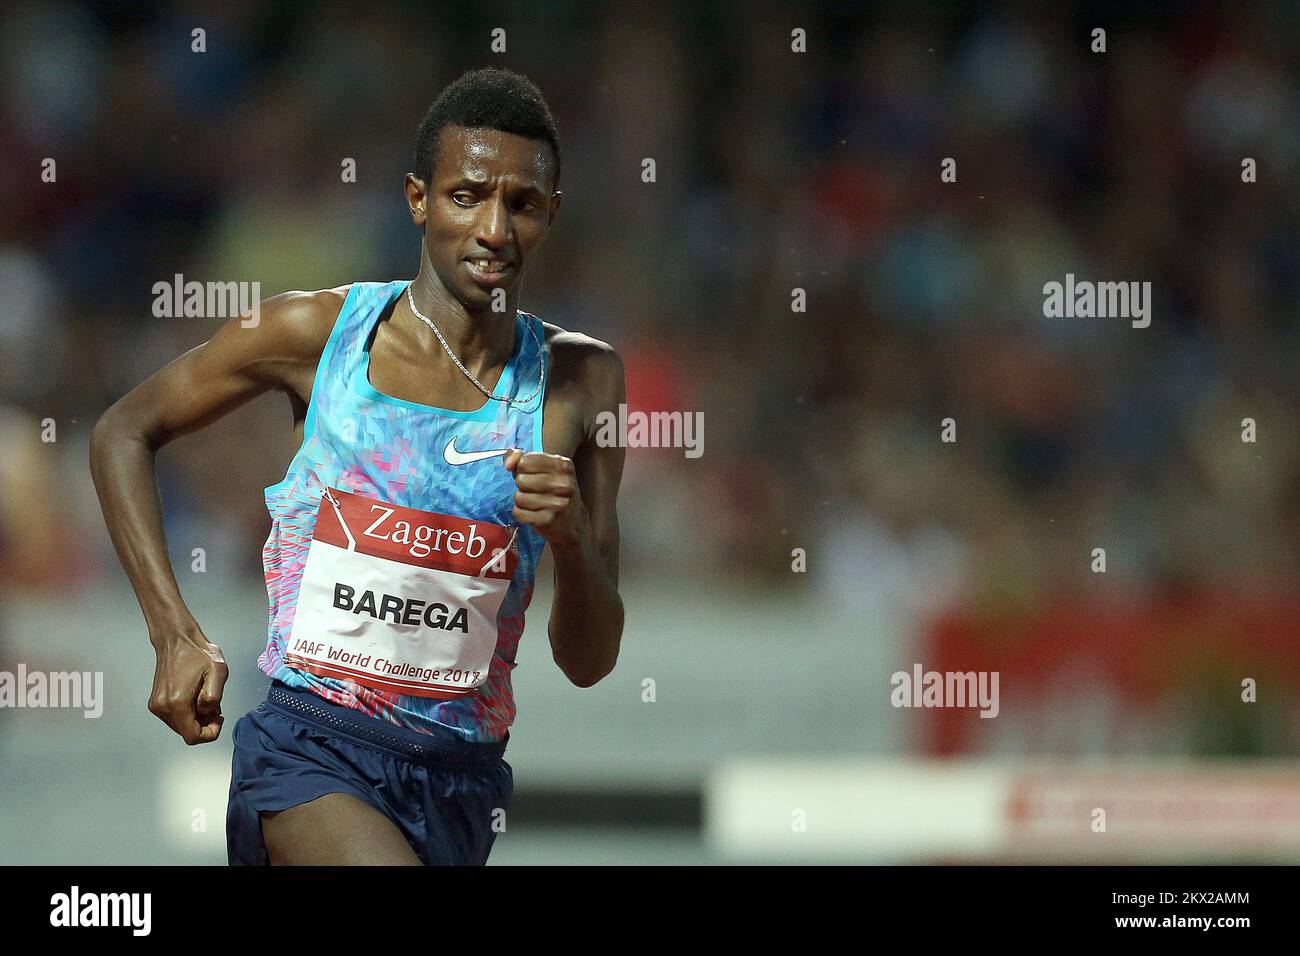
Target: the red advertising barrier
(1195, 655)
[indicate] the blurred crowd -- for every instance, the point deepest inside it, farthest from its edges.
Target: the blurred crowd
(775, 171)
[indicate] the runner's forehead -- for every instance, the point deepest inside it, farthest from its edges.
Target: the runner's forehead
(479, 154)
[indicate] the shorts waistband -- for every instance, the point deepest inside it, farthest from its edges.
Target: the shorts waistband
(375, 732)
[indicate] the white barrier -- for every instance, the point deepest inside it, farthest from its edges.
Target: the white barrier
(915, 811)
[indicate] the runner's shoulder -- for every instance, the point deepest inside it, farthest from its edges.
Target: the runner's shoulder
(297, 324)
(578, 357)
(587, 371)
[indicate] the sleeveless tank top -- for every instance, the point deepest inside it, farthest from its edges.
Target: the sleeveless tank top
(397, 575)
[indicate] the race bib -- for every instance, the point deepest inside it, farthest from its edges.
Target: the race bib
(399, 599)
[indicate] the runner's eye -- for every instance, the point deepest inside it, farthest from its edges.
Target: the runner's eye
(463, 198)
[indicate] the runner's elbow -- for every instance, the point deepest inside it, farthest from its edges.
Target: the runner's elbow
(108, 430)
(588, 675)
(121, 423)
(585, 679)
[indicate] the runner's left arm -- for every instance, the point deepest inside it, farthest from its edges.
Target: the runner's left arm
(572, 503)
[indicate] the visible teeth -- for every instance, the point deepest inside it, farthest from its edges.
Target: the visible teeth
(489, 265)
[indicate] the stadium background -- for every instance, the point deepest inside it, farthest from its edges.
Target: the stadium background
(775, 170)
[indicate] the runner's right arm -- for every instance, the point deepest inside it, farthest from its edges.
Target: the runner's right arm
(278, 352)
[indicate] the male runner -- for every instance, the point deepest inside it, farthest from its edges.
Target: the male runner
(444, 443)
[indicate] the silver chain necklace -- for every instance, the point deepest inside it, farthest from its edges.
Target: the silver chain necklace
(541, 378)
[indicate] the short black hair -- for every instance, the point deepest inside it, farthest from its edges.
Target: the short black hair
(490, 98)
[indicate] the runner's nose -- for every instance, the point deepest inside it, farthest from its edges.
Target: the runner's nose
(494, 227)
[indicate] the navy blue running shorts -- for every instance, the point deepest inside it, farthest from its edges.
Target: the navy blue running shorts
(443, 793)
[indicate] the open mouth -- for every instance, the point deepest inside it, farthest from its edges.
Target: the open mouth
(485, 269)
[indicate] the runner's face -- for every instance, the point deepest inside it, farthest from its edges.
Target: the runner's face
(488, 207)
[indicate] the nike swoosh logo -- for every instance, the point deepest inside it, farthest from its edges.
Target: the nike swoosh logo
(455, 457)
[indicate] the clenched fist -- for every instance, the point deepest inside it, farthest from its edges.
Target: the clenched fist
(547, 497)
(189, 678)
